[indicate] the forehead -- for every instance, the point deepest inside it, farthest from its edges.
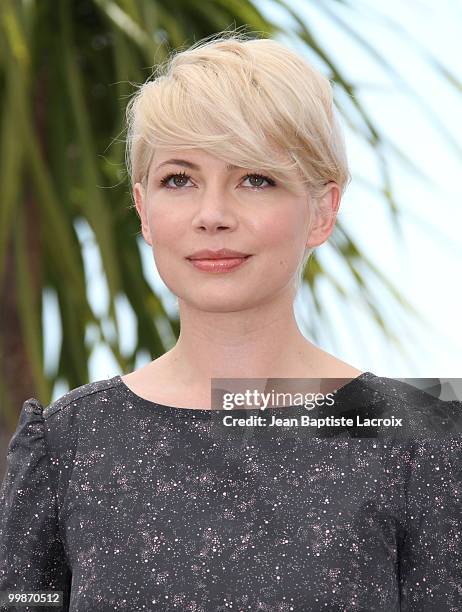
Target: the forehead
(194, 159)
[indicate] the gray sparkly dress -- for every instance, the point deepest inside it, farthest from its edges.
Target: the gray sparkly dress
(128, 505)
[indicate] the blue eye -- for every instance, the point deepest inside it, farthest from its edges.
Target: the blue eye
(184, 177)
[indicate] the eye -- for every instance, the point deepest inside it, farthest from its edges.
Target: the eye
(260, 177)
(164, 182)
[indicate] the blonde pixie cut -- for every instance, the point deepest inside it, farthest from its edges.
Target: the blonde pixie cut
(249, 101)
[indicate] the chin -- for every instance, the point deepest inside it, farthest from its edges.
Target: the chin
(221, 301)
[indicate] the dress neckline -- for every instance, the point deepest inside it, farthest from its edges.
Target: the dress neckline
(206, 413)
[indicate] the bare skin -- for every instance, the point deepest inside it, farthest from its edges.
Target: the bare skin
(154, 382)
(240, 323)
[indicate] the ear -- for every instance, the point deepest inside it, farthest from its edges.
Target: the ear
(324, 216)
(139, 195)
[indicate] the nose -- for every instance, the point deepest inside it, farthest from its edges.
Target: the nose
(216, 211)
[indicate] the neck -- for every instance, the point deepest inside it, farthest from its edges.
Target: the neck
(262, 342)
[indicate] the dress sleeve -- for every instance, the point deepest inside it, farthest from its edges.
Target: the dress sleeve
(430, 559)
(32, 556)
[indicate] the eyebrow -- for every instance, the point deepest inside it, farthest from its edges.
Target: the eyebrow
(188, 164)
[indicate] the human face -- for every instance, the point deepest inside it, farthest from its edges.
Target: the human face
(213, 207)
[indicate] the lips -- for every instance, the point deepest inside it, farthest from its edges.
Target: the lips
(208, 254)
(217, 258)
(219, 264)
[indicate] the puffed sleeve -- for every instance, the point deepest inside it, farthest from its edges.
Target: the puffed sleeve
(430, 563)
(32, 556)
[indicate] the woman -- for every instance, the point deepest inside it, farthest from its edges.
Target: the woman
(125, 495)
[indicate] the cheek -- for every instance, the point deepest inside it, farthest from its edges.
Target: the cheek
(281, 232)
(165, 227)
(285, 233)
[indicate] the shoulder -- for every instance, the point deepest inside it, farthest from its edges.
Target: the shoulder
(80, 396)
(395, 388)
(72, 415)
(69, 420)
(417, 401)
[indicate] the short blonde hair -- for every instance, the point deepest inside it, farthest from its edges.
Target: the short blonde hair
(245, 100)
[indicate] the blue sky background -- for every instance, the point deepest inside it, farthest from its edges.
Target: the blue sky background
(426, 263)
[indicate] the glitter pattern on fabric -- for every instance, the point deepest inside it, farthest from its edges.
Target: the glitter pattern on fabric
(129, 505)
